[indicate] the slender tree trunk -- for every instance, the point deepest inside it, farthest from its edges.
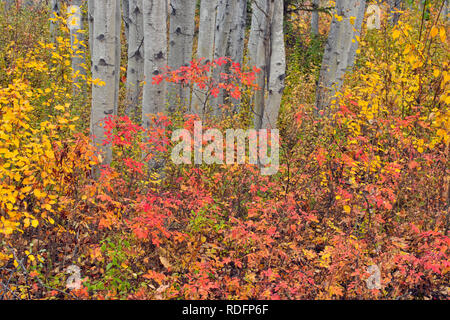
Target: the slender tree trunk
(91, 8)
(182, 24)
(237, 32)
(394, 6)
(315, 18)
(75, 25)
(373, 17)
(155, 53)
(258, 51)
(277, 72)
(55, 9)
(445, 11)
(205, 49)
(135, 70)
(118, 50)
(236, 40)
(104, 68)
(357, 27)
(224, 20)
(339, 49)
(126, 17)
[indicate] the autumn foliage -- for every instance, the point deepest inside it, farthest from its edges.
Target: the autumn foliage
(368, 185)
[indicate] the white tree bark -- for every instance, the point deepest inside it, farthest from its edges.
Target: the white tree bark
(55, 9)
(237, 38)
(258, 52)
(205, 49)
(104, 68)
(339, 51)
(118, 50)
(91, 8)
(445, 11)
(357, 27)
(126, 17)
(75, 25)
(224, 20)
(277, 71)
(394, 6)
(182, 24)
(135, 70)
(237, 32)
(315, 18)
(373, 17)
(155, 53)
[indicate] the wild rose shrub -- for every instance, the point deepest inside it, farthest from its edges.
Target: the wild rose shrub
(366, 186)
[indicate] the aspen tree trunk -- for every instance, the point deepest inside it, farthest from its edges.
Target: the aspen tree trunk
(155, 53)
(236, 40)
(237, 32)
(205, 49)
(357, 27)
(90, 12)
(224, 20)
(182, 24)
(135, 70)
(118, 50)
(126, 17)
(394, 6)
(75, 25)
(258, 51)
(338, 51)
(104, 68)
(277, 66)
(55, 9)
(445, 11)
(315, 18)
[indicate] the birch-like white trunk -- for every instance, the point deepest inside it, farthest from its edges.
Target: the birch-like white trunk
(75, 25)
(224, 18)
(237, 39)
(90, 12)
(205, 49)
(394, 7)
(126, 17)
(315, 18)
(339, 51)
(237, 32)
(135, 70)
(118, 50)
(357, 27)
(277, 66)
(104, 68)
(258, 52)
(55, 10)
(445, 11)
(155, 56)
(182, 24)
(373, 17)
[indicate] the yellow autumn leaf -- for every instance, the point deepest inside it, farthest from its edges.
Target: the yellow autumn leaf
(442, 34)
(395, 34)
(434, 31)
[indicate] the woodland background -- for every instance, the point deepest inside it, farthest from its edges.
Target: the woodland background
(91, 207)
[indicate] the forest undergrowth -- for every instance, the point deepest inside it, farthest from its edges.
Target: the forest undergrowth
(362, 191)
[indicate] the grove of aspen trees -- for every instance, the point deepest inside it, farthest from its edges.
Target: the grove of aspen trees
(224, 150)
